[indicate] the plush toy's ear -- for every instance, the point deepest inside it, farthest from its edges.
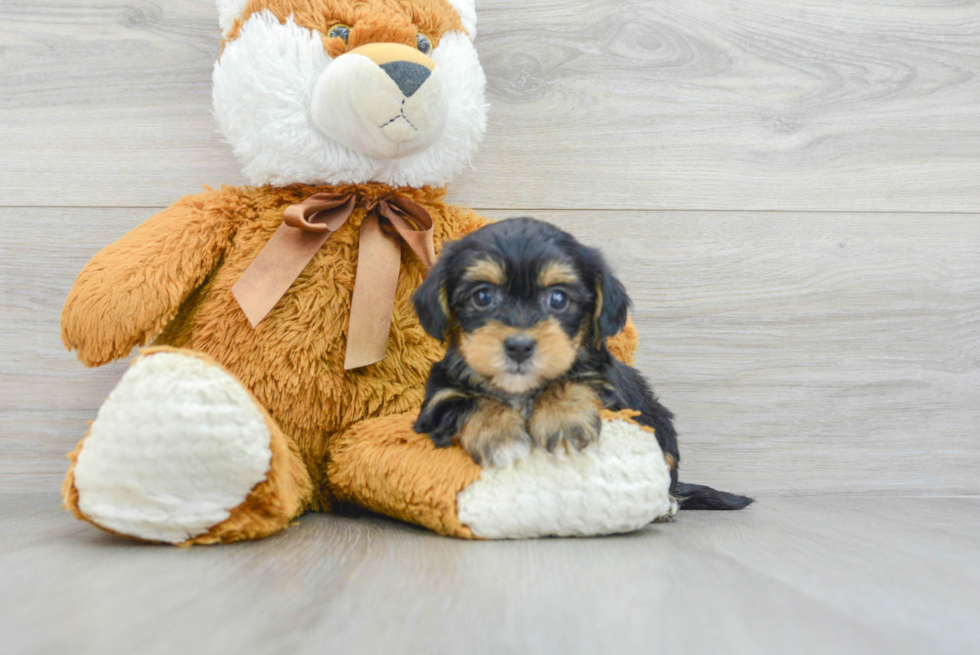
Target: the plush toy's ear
(228, 11)
(612, 303)
(431, 302)
(467, 13)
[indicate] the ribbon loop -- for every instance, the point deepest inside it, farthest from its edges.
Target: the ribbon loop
(306, 227)
(321, 212)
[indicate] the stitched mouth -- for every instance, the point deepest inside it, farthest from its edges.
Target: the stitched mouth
(401, 116)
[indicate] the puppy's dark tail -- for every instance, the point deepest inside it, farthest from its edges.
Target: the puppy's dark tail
(697, 496)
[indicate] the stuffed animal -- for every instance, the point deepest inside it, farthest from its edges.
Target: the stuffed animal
(286, 365)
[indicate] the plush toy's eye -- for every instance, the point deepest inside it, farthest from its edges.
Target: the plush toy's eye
(339, 31)
(483, 297)
(424, 44)
(557, 300)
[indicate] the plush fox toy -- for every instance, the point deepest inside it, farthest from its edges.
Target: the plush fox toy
(287, 365)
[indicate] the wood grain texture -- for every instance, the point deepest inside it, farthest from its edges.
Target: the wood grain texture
(801, 354)
(830, 574)
(760, 104)
(813, 350)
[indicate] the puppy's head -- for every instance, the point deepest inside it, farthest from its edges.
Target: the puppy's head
(521, 300)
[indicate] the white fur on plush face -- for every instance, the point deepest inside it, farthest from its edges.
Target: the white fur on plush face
(357, 104)
(228, 11)
(263, 91)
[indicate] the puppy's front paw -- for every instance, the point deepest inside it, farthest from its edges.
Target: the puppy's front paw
(495, 435)
(566, 416)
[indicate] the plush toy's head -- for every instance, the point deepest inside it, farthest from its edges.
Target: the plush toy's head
(350, 91)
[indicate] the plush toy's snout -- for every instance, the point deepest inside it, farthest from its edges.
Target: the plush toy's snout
(382, 99)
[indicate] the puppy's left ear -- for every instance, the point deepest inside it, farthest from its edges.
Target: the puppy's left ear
(431, 302)
(612, 303)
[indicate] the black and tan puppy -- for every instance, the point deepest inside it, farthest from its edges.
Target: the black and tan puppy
(525, 311)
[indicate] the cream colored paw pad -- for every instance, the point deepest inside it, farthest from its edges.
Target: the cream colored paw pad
(619, 484)
(176, 446)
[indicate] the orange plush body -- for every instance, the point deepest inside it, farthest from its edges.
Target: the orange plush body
(222, 431)
(169, 280)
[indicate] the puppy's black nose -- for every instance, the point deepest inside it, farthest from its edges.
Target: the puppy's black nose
(519, 348)
(408, 75)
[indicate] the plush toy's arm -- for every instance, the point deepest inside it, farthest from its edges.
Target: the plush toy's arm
(623, 345)
(131, 289)
(461, 221)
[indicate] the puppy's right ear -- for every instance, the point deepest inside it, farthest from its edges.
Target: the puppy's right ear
(612, 304)
(432, 303)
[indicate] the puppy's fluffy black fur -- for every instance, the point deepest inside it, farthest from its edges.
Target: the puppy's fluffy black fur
(522, 307)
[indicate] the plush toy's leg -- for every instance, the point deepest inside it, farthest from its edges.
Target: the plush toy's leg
(182, 453)
(384, 465)
(617, 485)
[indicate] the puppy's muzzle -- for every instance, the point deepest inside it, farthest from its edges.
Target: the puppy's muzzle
(519, 348)
(385, 100)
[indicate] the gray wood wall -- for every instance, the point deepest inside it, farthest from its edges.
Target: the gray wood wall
(789, 188)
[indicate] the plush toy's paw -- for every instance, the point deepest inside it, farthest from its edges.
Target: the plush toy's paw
(565, 418)
(495, 435)
(180, 452)
(619, 484)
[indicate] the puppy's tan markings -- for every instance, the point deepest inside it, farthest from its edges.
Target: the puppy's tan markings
(485, 269)
(566, 415)
(495, 435)
(444, 301)
(554, 272)
(483, 348)
(443, 395)
(555, 352)
(674, 506)
(597, 314)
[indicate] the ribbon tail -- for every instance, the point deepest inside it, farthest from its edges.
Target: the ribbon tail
(273, 271)
(373, 300)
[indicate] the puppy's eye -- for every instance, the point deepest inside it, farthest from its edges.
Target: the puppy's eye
(483, 298)
(557, 300)
(340, 31)
(423, 43)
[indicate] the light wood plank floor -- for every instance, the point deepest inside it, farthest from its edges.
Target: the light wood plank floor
(790, 190)
(829, 574)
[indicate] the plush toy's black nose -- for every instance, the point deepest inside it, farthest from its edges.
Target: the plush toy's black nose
(519, 348)
(408, 76)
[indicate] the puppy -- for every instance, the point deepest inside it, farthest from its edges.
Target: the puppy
(525, 311)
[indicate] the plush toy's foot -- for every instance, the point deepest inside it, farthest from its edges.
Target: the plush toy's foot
(619, 484)
(182, 453)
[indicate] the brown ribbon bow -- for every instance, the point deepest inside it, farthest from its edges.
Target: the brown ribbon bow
(306, 227)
